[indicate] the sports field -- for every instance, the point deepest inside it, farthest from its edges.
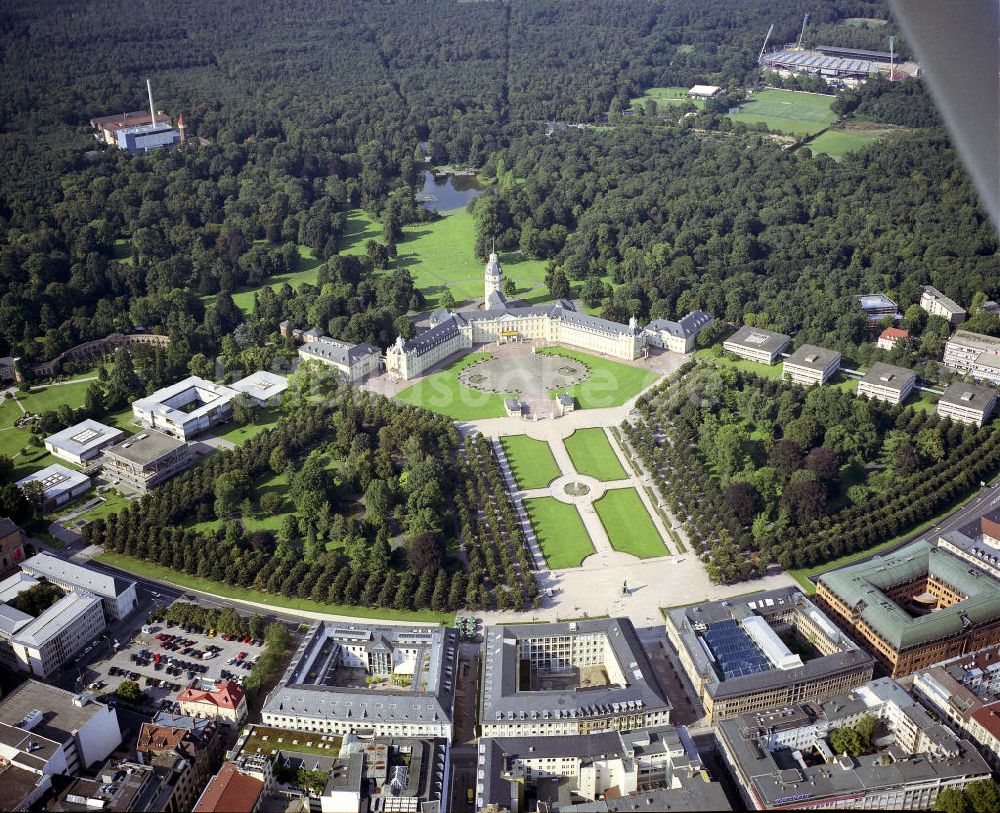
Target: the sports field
(609, 384)
(531, 461)
(837, 142)
(628, 524)
(666, 97)
(592, 455)
(787, 111)
(560, 531)
(443, 393)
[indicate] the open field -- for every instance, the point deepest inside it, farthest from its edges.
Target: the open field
(151, 571)
(628, 524)
(666, 97)
(561, 534)
(863, 22)
(591, 453)
(531, 461)
(443, 393)
(788, 111)
(239, 434)
(46, 398)
(609, 384)
(838, 141)
(763, 370)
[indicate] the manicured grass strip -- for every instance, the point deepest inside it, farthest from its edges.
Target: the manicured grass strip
(591, 453)
(443, 393)
(307, 270)
(629, 526)
(148, 570)
(531, 461)
(560, 531)
(610, 383)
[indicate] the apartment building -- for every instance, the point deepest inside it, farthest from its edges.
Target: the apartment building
(937, 304)
(975, 354)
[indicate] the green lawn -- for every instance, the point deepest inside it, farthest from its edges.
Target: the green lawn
(46, 398)
(561, 534)
(628, 524)
(666, 97)
(837, 142)
(307, 271)
(443, 393)
(238, 434)
(164, 574)
(609, 384)
(359, 230)
(789, 111)
(531, 461)
(591, 453)
(763, 370)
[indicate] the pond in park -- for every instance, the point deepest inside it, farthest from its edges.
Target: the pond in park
(447, 191)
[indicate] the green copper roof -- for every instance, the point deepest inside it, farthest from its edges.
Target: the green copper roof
(866, 582)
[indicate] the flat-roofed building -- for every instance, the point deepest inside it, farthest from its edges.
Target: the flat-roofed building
(106, 127)
(186, 408)
(704, 91)
(82, 442)
(937, 304)
(11, 547)
(262, 387)
(974, 353)
(58, 485)
(876, 307)
(355, 362)
(967, 403)
(736, 652)
(577, 677)
(327, 686)
(756, 344)
(811, 365)
(679, 336)
(782, 758)
(886, 382)
(118, 594)
(146, 460)
(977, 541)
(914, 607)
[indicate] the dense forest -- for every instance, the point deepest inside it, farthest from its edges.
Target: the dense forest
(306, 113)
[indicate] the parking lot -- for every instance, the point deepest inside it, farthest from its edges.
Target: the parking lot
(164, 658)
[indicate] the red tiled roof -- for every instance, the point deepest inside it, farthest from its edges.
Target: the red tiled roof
(894, 333)
(989, 718)
(226, 695)
(230, 791)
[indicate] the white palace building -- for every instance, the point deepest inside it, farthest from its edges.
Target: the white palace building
(558, 322)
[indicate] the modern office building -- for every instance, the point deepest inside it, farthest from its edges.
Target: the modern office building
(913, 607)
(782, 758)
(11, 547)
(117, 594)
(578, 677)
(757, 344)
(937, 304)
(329, 685)
(975, 354)
(186, 408)
(886, 382)
(645, 769)
(679, 336)
(263, 388)
(57, 485)
(737, 656)
(42, 644)
(967, 403)
(355, 362)
(978, 542)
(876, 307)
(82, 442)
(146, 460)
(811, 365)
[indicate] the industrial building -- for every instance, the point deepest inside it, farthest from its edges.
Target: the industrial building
(782, 757)
(704, 92)
(577, 677)
(757, 344)
(811, 365)
(914, 607)
(328, 686)
(139, 132)
(117, 594)
(648, 769)
(736, 654)
(106, 127)
(82, 442)
(44, 644)
(146, 460)
(937, 304)
(186, 408)
(886, 382)
(57, 485)
(967, 403)
(975, 354)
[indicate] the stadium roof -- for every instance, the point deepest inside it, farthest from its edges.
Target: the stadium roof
(817, 63)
